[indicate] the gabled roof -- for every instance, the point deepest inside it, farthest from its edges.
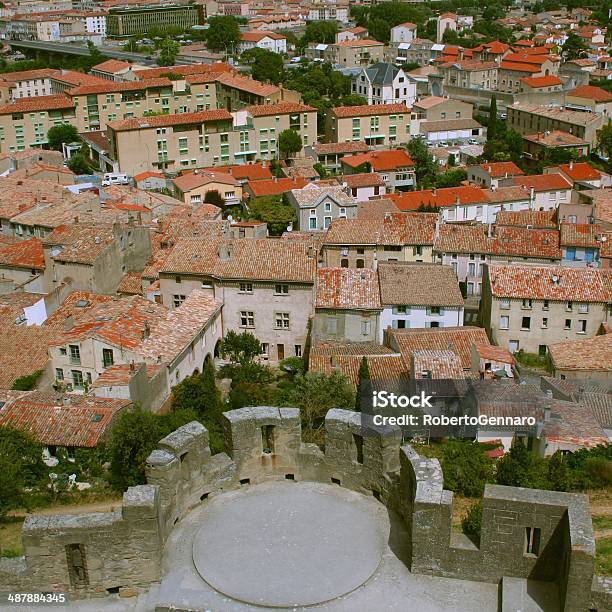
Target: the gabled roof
(119, 86)
(347, 289)
(193, 180)
(24, 254)
(597, 94)
(112, 66)
(282, 108)
(39, 103)
(501, 169)
(542, 81)
(447, 196)
(382, 73)
(331, 148)
(543, 182)
(588, 355)
(367, 110)
(555, 138)
(137, 123)
(275, 186)
(256, 36)
(580, 171)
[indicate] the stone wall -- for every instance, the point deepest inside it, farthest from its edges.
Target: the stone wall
(105, 552)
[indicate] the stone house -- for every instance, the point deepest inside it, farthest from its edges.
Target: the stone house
(23, 263)
(582, 360)
(347, 305)
(266, 287)
(384, 83)
(94, 256)
(395, 167)
(193, 187)
(548, 191)
(493, 174)
(316, 207)
(364, 243)
(581, 243)
(409, 301)
(528, 308)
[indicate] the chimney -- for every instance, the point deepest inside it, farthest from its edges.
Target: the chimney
(132, 368)
(311, 252)
(76, 219)
(146, 332)
(571, 164)
(226, 252)
(68, 323)
(490, 230)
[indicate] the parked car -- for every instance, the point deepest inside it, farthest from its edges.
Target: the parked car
(115, 178)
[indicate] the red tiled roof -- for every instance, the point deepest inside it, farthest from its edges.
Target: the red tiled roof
(40, 103)
(365, 179)
(24, 254)
(111, 66)
(542, 81)
(136, 123)
(365, 42)
(366, 110)
(256, 36)
(148, 174)
(591, 92)
(190, 181)
(527, 58)
(275, 186)
(113, 86)
(538, 282)
(82, 422)
(247, 84)
(499, 169)
(190, 69)
(580, 171)
(332, 148)
(282, 108)
(592, 354)
(448, 196)
(541, 219)
(581, 234)
(348, 288)
(543, 182)
(519, 67)
(380, 160)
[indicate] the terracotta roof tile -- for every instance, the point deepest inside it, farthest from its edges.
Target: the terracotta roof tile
(282, 108)
(333, 148)
(24, 254)
(591, 92)
(40, 103)
(119, 375)
(448, 196)
(347, 289)
(193, 180)
(591, 354)
(136, 123)
(365, 179)
(580, 171)
(112, 66)
(190, 69)
(542, 81)
(501, 169)
(380, 160)
(537, 282)
(581, 234)
(439, 364)
(418, 284)
(119, 86)
(367, 110)
(555, 138)
(381, 367)
(275, 186)
(543, 182)
(540, 219)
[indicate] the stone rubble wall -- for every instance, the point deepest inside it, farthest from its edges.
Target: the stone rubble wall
(123, 548)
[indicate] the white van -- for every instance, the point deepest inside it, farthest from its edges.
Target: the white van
(115, 178)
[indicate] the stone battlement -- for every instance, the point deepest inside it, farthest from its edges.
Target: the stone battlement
(526, 533)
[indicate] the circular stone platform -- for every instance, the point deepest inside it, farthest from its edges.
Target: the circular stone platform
(287, 544)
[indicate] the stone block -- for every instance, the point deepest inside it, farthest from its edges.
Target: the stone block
(141, 502)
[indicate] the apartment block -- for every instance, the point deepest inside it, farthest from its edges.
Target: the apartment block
(140, 19)
(376, 124)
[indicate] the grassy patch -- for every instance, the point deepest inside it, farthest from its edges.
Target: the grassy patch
(602, 522)
(532, 360)
(603, 557)
(10, 537)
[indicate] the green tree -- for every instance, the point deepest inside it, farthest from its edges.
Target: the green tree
(289, 142)
(492, 125)
(320, 32)
(380, 30)
(60, 134)
(573, 47)
(364, 386)
(316, 393)
(266, 66)
(559, 475)
(241, 349)
(466, 468)
(425, 166)
(472, 522)
(169, 49)
(79, 164)
(451, 178)
(27, 382)
(353, 100)
(275, 213)
(519, 467)
(134, 435)
(605, 139)
(223, 33)
(321, 170)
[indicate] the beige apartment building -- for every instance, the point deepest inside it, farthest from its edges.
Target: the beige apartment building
(376, 124)
(356, 53)
(266, 287)
(529, 308)
(470, 74)
(206, 138)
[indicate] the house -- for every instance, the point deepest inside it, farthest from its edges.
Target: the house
(492, 361)
(347, 305)
(581, 243)
(363, 186)
(94, 256)
(493, 174)
(590, 98)
(63, 421)
(529, 308)
(150, 180)
(538, 145)
(193, 187)
(273, 187)
(578, 172)
(404, 32)
(22, 264)
(445, 22)
(270, 41)
(316, 207)
(456, 203)
(547, 191)
(266, 287)
(583, 360)
(329, 154)
(408, 302)
(384, 83)
(376, 124)
(364, 242)
(356, 33)
(395, 167)
(356, 53)
(114, 70)
(540, 84)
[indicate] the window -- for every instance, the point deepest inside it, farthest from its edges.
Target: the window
(582, 326)
(281, 289)
(59, 374)
(177, 299)
(326, 222)
(327, 206)
(344, 263)
(526, 323)
(569, 306)
(545, 323)
(583, 308)
(568, 324)
(527, 303)
(107, 357)
(63, 351)
(505, 304)
(312, 223)
(545, 305)
(366, 327)
(504, 322)
(265, 349)
(77, 379)
(281, 320)
(246, 287)
(434, 310)
(247, 318)
(331, 325)
(298, 350)
(532, 540)
(359, 263)
(75, 354)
